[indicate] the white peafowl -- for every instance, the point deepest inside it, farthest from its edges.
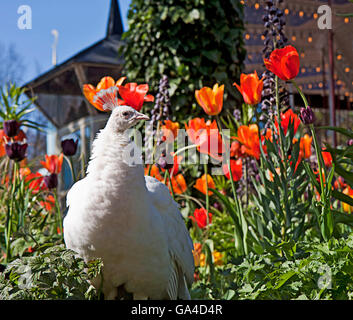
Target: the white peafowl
(128, 220)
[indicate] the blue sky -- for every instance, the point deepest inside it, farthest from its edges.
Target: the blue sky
(80, 23)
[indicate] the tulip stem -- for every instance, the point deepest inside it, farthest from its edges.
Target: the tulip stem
(320, 160)
(301, 93)
(10, 212)
(207, 196)
(242, 221)
(58, 214)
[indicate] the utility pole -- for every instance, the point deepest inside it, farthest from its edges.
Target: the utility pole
(55, 33)
(332, 81)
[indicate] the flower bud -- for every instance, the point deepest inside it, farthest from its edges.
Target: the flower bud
(16, 151)
(51, 181)
(11, 128)
(307, 115)
(69, 147)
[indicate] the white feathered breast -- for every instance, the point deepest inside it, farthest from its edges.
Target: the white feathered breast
(132, 223)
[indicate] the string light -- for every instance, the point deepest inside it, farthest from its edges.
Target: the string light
(318, 69)
(263, 37)
(339, 57)
(346, 69)
(302, 54)
(286, 12)
(257, 6)
(247, 36)
(310, 39)
(346, 20)
(321, 85)
(301, 14)
(310, 86)
(294, 38)
(303, 70)
(315, 15)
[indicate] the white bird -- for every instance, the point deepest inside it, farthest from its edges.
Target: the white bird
(128, 220)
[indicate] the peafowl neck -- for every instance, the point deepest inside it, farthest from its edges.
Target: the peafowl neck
(112, 163)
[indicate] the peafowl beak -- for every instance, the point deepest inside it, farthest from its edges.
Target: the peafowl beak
(141, 116)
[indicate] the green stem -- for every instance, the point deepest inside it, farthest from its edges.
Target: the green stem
(58, 214)
(10, 215)
(320, 160)
(239, 210)
(301, 93)
(228, 160)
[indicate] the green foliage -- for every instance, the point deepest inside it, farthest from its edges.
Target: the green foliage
(279, 197)
(194, 42)
(304, 270)
(55, 273)
(13, 107)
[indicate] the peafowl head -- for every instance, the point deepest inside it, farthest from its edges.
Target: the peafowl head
(122, 117)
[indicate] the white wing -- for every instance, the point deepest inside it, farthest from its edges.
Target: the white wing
(180, 243)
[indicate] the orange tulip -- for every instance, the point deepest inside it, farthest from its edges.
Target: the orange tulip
(305, 146)
(154, 172)
(211, 100)
(170, 130)
(248, 136)
(90, 91)
(284, 63)
(178, 184)
(237, 169)
(196, 253)
(201, 184)
(205, 135)
(346, 207)
(250, 88)
(53, 163)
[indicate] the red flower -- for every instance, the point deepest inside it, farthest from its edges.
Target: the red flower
(35, 181)
(237, 169)
(134, 95)
(250, 88)
(288, 117)
(206, 136)
(53, 163)
(284, 63)
(327, 158)
(200, 217)
(49, 203)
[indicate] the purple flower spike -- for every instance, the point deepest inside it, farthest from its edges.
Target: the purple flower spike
(307, 115)
(16, 151)
(11, 128)
(69, 147)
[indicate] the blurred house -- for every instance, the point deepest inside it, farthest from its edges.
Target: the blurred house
(59, 92)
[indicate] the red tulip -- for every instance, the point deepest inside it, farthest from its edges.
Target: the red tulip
(284, 63)
(237, 169)
(200, 217)
(288, 117)
(134, 95)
